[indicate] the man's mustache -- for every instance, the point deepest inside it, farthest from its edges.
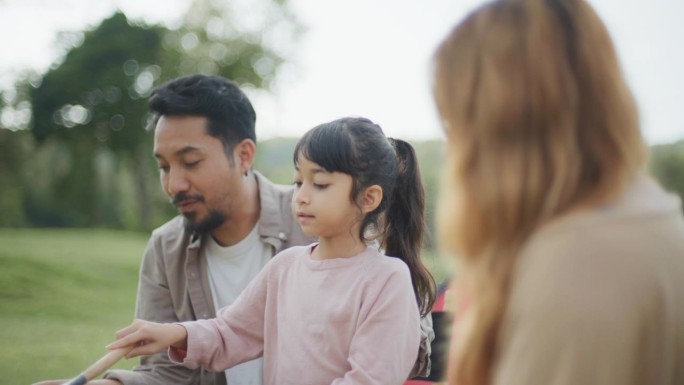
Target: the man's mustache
(182, 197)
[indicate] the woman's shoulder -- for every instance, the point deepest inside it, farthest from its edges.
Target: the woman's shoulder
(592, 266)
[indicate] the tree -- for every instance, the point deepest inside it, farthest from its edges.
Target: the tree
(667, 164)
(93, 101)
(16, 145)
(14, 149)
(243, 40)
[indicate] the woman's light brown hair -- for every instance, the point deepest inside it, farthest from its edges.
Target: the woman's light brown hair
(539, 121)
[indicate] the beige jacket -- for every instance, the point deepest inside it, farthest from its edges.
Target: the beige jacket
(598, 298)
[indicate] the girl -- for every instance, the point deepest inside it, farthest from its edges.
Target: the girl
(572, 258)
(338, 311)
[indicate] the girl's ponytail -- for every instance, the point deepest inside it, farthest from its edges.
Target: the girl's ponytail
(405, 224)
(358, 147)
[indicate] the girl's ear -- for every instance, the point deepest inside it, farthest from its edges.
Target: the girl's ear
(371, 198)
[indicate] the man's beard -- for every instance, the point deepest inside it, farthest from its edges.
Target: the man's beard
(213, 220)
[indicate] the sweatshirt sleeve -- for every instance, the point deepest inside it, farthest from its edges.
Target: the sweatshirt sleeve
(385, 345)
(236, 334)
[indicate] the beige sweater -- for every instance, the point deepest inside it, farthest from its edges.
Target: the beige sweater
(598, 297)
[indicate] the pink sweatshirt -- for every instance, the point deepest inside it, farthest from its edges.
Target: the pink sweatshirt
(338, 321)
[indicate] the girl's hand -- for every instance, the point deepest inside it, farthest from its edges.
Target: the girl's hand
(149, 338)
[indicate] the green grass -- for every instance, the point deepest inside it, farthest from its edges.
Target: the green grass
(63, 294)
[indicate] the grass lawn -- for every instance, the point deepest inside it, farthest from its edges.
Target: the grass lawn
(63, 294)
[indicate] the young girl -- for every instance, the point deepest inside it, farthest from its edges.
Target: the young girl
(338, 311)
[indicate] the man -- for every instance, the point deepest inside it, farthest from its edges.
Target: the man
(233, 220)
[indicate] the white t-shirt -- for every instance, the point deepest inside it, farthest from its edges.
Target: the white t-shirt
(230, 269)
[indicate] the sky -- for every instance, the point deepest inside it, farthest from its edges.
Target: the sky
(372, 57)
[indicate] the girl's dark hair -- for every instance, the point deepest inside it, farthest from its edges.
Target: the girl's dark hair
(359, 148)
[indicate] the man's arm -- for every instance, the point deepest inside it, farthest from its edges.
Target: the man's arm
(155, 303)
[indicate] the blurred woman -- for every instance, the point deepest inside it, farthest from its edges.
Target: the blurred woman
(571, 257)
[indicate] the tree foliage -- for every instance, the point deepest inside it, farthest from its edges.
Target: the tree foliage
(243, 40)
(89, 110)
(98, 85)
(86, 160)
(93, 103)
(15, 147)
(667, 165)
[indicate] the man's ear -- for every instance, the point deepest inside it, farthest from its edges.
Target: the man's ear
(244, 153)
(371, 198)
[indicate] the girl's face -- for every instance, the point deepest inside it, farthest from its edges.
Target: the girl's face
(321, 202)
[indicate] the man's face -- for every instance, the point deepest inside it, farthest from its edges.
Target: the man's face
(195, 172)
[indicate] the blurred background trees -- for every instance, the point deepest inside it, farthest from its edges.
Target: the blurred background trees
(667, 165)
(74, 148)
(90, 110)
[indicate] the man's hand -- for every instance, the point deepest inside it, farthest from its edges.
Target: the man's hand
(149, 338)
